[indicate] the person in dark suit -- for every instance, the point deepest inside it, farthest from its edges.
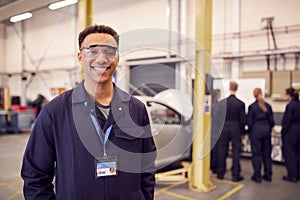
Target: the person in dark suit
(290, 133)
(85, 131)
(260, 121)
(216, 128)
(234, 127)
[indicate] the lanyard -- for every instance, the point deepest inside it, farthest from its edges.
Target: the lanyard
(98, 129)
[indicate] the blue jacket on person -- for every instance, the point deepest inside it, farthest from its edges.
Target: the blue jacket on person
(235, 111)
(290, 134)
(257, 116)
(291, 117)
(65, 145)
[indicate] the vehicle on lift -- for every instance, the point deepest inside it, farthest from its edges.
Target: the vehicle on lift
(170, 114)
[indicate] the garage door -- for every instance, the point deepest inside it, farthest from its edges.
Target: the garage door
(152, 78)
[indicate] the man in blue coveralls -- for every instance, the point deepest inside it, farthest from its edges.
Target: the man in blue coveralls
(234, 126)
(83, 135)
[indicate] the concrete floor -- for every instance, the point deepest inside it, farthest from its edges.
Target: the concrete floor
(12, 147)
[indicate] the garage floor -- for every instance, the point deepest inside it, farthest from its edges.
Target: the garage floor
(12, 147)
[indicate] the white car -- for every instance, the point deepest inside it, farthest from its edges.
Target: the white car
(170, 113)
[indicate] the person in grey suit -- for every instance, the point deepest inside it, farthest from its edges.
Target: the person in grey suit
(234, 127)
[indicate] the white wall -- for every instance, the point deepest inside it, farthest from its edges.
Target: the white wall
(143, 24)
(49, 41)
(53, 42)
(129, 15)
(285, 14)
(252, 36)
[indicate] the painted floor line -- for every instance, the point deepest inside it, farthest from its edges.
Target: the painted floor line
(178, 195)
(237, 187)
(11, 185)
(14, 195)
(231, 192)
(165, 189)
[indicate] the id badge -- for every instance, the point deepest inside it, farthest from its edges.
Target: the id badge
(106, 166)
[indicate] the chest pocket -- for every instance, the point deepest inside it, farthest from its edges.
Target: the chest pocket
(129, 138)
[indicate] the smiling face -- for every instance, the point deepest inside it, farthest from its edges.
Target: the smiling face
(98, 67)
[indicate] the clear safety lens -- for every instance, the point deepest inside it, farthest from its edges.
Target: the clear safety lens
(93, 51)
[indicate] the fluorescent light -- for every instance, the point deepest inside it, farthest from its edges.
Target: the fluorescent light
(21, 17)
(61, 4)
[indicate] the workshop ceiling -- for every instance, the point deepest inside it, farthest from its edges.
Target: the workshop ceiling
(6, 2)
(9, 8)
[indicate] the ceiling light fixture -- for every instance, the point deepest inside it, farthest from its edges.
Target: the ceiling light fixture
(61, 4)
(21, 17)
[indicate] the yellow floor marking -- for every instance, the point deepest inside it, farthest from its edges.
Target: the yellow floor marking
(237, 187)
(165, 189)
(3, 184)
(178, 195)
(231, 192)
(13, 195)
(10, 185)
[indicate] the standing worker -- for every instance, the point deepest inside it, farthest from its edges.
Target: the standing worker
(290, 134)
(82, 134)
(216, 129)
(233, 129)
(260, 123)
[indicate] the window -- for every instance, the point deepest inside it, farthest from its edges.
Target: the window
(161, 114)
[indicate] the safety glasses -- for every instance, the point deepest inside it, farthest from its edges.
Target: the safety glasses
(93, 51)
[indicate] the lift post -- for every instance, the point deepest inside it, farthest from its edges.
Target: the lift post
(200, 169)
(85, 13)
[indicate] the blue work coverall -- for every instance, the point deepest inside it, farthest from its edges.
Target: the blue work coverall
(290, 133)
(260, 126)
(64, 144)
(234, 127)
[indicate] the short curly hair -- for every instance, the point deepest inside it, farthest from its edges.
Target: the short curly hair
(97, 29)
